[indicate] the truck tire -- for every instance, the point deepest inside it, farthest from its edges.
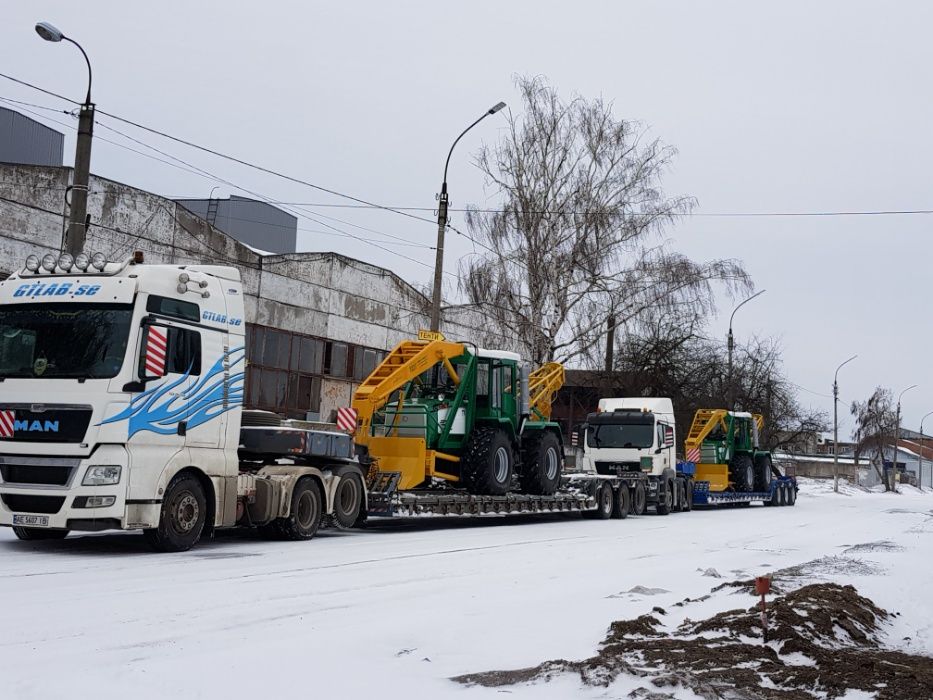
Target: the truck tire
(621, 502)
(665, 497)
(541, 463)
(762, 472)
(791, 494)
(782, 487)
(39, 533)
(742, 473)
(304, 517)
(639, 499)
(181, 520)
(775, 499)
(348, 499)
(688, 495)
(604, 503)
(678, 496)
(487, 465)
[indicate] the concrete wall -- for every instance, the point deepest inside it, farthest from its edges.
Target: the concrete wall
(321, 294)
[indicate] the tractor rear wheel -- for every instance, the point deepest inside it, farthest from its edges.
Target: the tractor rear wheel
(762, 472)
(742, 473)
(487, 464)
(542, 462)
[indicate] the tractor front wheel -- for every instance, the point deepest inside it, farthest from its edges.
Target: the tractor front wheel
(486, 467)
(542, 462)
(742, 473)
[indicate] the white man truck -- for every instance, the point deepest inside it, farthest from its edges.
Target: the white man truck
(637, 436)
(121, 394)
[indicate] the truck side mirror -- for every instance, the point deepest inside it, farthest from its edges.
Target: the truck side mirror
(153, 352)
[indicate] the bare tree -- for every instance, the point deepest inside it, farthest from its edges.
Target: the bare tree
(578, 237)
(873, 418)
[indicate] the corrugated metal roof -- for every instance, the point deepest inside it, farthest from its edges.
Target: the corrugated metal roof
(24, 140)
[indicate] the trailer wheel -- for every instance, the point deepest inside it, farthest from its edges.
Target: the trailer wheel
(621, 502)
(762, 472)
(305, 516)
(742, 473)
(348, 499)
(665, 498)
(775, 499)
(181, 520)
(678, 496)
(639, 499)
(39, 533)
(604, 503)
(487, 466)
(541, 462)
(791, 494)
(784, 500)
(688, 495)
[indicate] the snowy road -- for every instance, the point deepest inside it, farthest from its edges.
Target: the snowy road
(396, 610)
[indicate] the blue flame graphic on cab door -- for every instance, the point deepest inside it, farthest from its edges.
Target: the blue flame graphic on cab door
(159, 411)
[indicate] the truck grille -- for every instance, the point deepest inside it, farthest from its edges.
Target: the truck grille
(23, 503)
(48, 422)
(617, 468)
(32, 474)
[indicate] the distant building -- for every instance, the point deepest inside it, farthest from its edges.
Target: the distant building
(259, 225)
(26, 141)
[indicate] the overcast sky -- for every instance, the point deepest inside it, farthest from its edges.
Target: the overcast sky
(803, 107)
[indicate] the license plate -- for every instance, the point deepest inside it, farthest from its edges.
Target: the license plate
(31, 520)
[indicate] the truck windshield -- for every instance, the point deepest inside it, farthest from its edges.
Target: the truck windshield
(621, 435)
(63, 340)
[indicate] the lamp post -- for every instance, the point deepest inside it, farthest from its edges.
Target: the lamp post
(76, 232)
(920, 473)
(836, 424)
(897, 430)
(442, 225)
(731, 344)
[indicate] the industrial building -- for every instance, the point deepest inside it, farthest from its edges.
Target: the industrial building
(24, 140)
(317, 323)
(257, 224)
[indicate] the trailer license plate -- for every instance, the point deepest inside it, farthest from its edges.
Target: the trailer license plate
(40, 520)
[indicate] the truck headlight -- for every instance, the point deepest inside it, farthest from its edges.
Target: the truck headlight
(102, 476)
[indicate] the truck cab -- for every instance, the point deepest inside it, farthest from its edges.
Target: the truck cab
(635, 436)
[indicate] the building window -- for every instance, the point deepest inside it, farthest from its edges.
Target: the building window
(335, 359)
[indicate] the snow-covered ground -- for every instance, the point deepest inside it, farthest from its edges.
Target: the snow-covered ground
(396, 610)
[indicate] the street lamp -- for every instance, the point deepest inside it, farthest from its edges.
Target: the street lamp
(731, 344)
(77, 220)
(836, 424)
(897, 430)
(442, 225)
(920, 473)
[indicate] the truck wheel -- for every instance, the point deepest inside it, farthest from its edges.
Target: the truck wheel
(305, 516)
(679, 496)
(181, 519)
(742, 473)
(604, 503)
(621, 502)
(639, 499)
(348, 499)
(762, 472)
(665, 498)
(791, 494)
(783, 487)
(688, 495)
(541, 463)
(487, 466)
(39, 533)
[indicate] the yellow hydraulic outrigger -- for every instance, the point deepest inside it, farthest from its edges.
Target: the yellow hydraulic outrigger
(543, 383)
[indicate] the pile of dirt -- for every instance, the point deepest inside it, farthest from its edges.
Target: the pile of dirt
(824, 639)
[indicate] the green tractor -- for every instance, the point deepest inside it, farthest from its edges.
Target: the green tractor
(725, 447)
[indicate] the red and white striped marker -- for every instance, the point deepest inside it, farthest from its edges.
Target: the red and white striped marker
(693, 455)
(7, 419)
(156, 344)
(346, 419)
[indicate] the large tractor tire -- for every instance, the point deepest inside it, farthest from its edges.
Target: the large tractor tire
(665, 497)
(182, 517)
(639, 499)
(39, 533)
(762, 472)
(742, 473)
(304, 517)
(621, 503)
(348, 500)
(486, 467)
(542, 462)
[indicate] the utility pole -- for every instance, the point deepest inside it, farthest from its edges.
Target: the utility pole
(897, 430)
(836, 424)
(610, 341)
(442, 226)
(920, 473)
(76, 233)
(731, 343)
